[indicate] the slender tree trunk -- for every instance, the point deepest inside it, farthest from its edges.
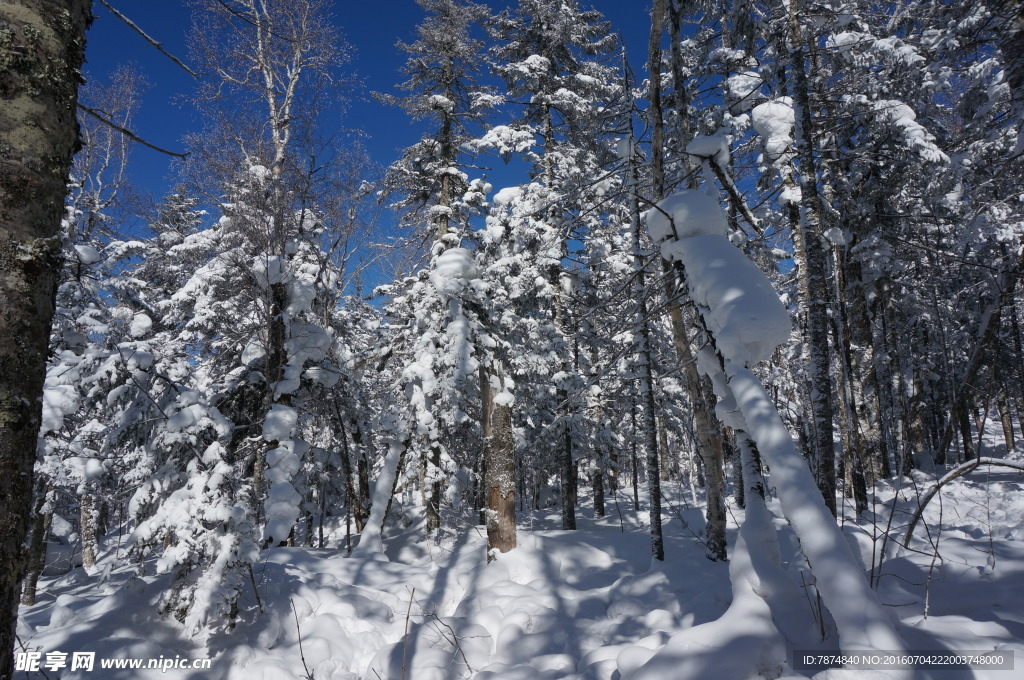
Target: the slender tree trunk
(965, 435)
(602, 443)
(815, 267)
(739, 490)
(37, 545)
(708, 431)
(1005, 417)
(432, 489)
(87, 526)
(361, 509)
(634, 475)
(41, 50)
(667, 466)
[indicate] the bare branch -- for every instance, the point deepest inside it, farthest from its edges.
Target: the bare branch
(249, 21)
(155, 43)
(126, 132)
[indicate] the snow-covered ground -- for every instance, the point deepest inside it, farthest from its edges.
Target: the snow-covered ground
(587, 604)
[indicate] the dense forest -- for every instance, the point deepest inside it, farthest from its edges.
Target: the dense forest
(769, 276)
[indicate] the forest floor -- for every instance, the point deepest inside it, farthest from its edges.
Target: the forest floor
(588, 604)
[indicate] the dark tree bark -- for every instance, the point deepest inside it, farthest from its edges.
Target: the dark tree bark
(814, 270)
(499, 459)
(41, 50)
(42, 519)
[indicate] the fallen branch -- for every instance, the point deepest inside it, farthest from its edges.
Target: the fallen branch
(956, 472)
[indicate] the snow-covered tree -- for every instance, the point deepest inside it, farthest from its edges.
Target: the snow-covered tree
(436, 337)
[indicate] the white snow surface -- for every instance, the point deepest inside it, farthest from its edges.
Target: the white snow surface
(861, 621)
(141, 325)
(744, 87)
(87, 254)
(743, 310)
(582, 605)
(685, 214)
(279, 423)
(58, 401)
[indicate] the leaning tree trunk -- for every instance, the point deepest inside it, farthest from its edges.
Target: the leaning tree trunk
(41, 49)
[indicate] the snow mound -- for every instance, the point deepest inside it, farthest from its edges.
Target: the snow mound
(692, 213)
(744, 87)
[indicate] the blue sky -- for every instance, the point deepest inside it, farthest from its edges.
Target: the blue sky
(372, 28)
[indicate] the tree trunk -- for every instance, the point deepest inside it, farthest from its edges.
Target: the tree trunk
(499, 458)
(667, 466)
(706, 426)
(1005, 417)
(814, 268)
(432, 489)
(633, 469)
(41, 50)
(87, 526)
(37, 544)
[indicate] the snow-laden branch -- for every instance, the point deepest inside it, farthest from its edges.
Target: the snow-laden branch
(745, 322)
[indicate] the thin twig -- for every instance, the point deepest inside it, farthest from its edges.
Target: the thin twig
(127, 133)
(253, 23)
(455, 640)
(255, 590)
(155, 43)
(405, 636)
(298, 632)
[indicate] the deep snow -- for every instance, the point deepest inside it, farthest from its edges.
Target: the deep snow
(585, 604)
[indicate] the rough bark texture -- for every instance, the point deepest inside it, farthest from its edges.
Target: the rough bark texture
(500, 475)
(41, 46)
(87, 523)
(42, 519)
